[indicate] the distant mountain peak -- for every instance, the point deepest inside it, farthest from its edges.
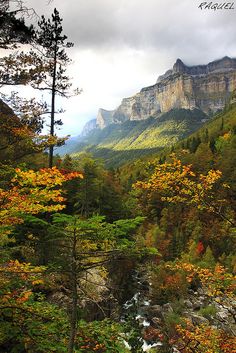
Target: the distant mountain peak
(179, 66)
(104, 117)
(88, 127)
(223, 64)
(205, 87)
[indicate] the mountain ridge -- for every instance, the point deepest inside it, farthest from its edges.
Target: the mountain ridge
(205, 87)
(160, 115)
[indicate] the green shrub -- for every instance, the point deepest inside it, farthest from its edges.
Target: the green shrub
(172, 319)
(208, 311)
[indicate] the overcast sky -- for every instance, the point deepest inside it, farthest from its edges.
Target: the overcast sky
(124, 45)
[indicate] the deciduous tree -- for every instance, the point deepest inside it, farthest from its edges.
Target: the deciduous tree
(179, 184)
(32, 193)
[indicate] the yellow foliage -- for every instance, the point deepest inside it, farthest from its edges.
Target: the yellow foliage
(177, 183)
(32, 193)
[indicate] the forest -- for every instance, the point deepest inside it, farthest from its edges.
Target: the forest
(134, 258)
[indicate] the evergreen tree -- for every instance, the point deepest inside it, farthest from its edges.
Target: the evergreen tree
(88, 244)
(212, 145)
(67, 162)
(13, 30)
(222, 124)
(195, 142)
(206, 135)
(51, 39)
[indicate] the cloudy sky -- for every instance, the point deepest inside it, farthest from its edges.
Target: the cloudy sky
(121, 46)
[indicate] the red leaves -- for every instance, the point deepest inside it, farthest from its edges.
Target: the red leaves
(152, 334)
(200, 248)
(17, 280)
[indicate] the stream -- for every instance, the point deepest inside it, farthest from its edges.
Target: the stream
(135, 307)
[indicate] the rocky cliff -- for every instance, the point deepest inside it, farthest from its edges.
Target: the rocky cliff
(205, 87)
(104, 118)
(89, 126)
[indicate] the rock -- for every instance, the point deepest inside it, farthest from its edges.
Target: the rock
(104, 118)
(156, 321)
(200, 291)
(175, 350)
(198, 320)
(154, 311)
(188, 304)
(204, 87)
(222, 315)
(61, 299)
(167, 307)
(190, 292)
(221, 65)
(88, 127)
(197, 304)
(202, 299)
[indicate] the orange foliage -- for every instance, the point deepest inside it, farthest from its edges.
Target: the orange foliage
(152, 334)
(217, 282)
(200, 248)
(32, 193)
(204, 339)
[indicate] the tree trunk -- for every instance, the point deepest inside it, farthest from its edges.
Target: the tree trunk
(52, 123)
(73, 316)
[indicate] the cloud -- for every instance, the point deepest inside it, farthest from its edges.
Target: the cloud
(173, 25)
(163, 25)
(121, 46)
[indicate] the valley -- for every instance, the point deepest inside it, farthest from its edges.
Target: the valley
(121, 240)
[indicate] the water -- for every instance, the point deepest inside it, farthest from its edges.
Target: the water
(134, 306)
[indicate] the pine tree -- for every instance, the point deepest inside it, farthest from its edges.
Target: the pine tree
(206, 135)
(212, 145)
(13, 30)
(53, 43)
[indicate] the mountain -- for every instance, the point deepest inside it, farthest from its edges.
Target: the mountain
(89, 126)
(105, 118)
(119, 143)
(181, 100)
(71, 144)
(204, 87)
(211, 146)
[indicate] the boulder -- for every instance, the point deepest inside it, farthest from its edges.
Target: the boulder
(198, 319)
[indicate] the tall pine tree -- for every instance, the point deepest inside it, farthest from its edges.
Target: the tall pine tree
(52, 44)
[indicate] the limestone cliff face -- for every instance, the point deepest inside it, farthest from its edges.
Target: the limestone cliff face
(139, 107)
(89, 126)
(206, 92)
(104, 118)
(206, 87)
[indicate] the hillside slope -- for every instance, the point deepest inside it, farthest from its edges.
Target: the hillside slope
(119, 143)
(211, 146)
